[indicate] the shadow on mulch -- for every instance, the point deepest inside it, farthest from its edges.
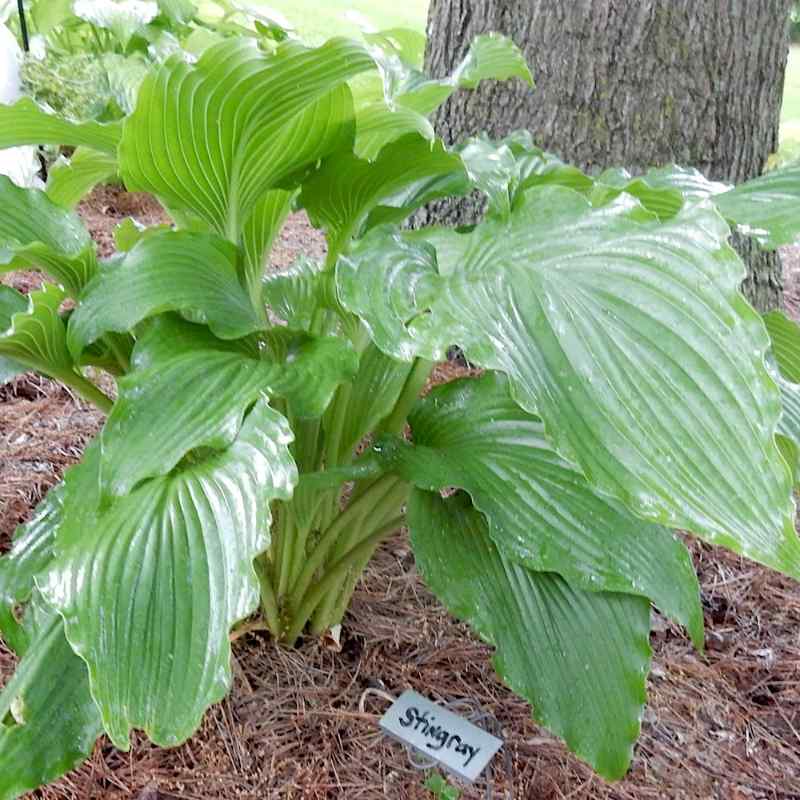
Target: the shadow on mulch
(721, 725)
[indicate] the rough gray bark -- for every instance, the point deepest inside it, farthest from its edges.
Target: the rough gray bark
(636, 84)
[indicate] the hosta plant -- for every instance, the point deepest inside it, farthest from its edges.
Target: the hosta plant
(89, 57)
(267, 432)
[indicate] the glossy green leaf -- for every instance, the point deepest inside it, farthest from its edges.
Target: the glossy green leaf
(490, 56)
(259, 233)
(273, 115)
(390, 281)
(690, 182)
(627, 336)
(580, 658)
(49, 14)
(54, 721)
(35, 233)
(69, 181)
(26, 123)
(150, 589)
(31, 552)
(128, 233)
(124, 75)
(540, 510)
(376, 387)
(493, 169)
(791, 455)
(784, 335)
(11, 302)
(789, 423)
(296, 293)
(345, 189)
(189, 390)
(178, 11)
(504, 170)
(405, 43)
(409, 97)
(766, 208)
(378, 124)
(192, 273)
(663, 201)
(36, 337)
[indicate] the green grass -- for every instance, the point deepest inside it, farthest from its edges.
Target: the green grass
(789, 149)
(790, 111)
(317, 20)
(791, 88)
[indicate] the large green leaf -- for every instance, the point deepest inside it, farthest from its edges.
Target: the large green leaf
(663, 201)
(399, 206)
(690, 182)
(295, 294)
(580, 658)
(150, 589)
(541, 511)
(627, 336)
(405, 43)
(378, 124)
(124, 75)
(189, 390)
(178, 11)
(409, 97)
(129, 232)
(788, 429)
(31, 552)
(389, 282)
(503, 170)
(345, 189)
(54, 721)
(192, 273)
(766, 208)
(49, 14)
(26, 123)
(35, 233)
(784, 335)
(376, 387)
(69, 181)
(490, 56)
(262, 227)
(11, 302)
(36, 337)
(214, 136)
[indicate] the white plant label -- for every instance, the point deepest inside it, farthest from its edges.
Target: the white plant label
(460, 746)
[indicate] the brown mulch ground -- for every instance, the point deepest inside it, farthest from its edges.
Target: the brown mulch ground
(724, 725)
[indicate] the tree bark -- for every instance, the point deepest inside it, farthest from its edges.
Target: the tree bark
(634, 84)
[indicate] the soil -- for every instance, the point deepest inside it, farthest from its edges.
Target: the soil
(297, 723)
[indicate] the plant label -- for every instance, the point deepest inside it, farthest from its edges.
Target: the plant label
(461, 747)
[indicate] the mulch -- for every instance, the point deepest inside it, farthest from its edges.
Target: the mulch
(725, 724)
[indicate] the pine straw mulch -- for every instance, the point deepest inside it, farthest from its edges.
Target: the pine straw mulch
(721, 725)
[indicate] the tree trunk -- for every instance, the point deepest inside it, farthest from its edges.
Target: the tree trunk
(634, 84)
